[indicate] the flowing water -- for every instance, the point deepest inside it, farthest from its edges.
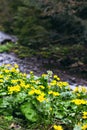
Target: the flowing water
(32, 64)
(24, 65)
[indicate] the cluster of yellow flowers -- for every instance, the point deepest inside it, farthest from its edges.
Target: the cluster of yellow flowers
(54, 93)
(80, 89)
(56, 77)
(34, 86)
(13, 89)
(79, 101)
(18, 84)
(59, 83)
(39, 94)
(62, 84)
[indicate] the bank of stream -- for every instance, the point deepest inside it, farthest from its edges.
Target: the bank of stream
(38, 67)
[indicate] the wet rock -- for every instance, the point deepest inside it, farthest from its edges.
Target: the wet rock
(1, 59)
(72, 80)
(7, 38)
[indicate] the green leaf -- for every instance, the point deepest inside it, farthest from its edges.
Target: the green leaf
(3, 93)
(29, 112)
(20, 97)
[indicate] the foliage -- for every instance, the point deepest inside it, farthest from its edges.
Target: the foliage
(7, 47)
(46, 99)
(40, 23)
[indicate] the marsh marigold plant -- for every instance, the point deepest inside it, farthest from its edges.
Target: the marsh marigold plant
(44, 99)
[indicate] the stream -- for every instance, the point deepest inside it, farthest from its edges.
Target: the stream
(35, 65)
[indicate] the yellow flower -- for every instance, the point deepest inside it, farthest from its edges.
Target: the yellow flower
(44, 75)
(14, 81)
(56, 94)
(84, 115)
(62, 84)
(31, 72)
(37, 81)
(13, 70)
(33, 81)
(31, 92)
(50, 92)
(53, 83)
(78, 94)
(24, 74)
(37, 91)
(58, 78)
(16, 66)
(43, 94)
(40, 98)
(49, 87)
(41, 86)
(22, 84)
(7, 78)
(57, 127)
(84, 127)
(6, 71)
(76, 89)
(1, 76)
(1, 80)
(27, 86)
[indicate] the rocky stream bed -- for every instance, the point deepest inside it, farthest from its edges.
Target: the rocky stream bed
(36, 65)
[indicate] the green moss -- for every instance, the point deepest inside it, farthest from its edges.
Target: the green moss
(23, 52)
(6, 47)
